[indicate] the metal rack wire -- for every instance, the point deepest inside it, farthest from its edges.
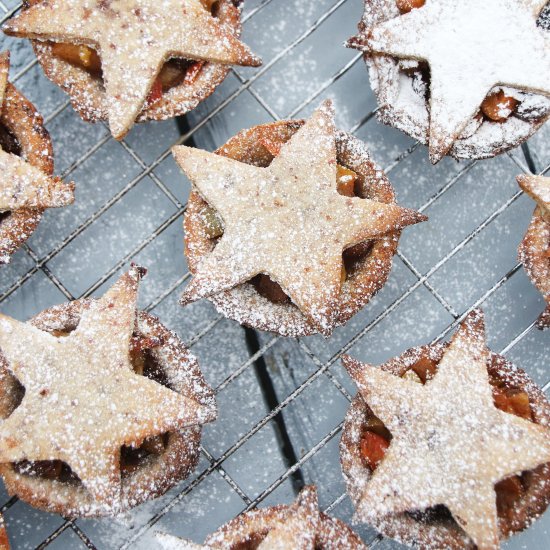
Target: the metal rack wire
(261, 348)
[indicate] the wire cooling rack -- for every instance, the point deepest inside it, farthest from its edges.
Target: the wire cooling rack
(281, 402)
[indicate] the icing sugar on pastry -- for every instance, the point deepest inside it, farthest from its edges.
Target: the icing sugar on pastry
(449, 444)
(27, 186)
(300, 526)
(470, 47)
(133, 38)
(286, 220)
(83, 401)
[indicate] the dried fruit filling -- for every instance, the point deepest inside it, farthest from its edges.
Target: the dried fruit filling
(376, 438)
(131, 457)
(347, 183)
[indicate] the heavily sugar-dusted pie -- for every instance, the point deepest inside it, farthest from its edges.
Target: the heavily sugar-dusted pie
(103, 406)
(534, 250)
(470, 79)
(128, 60)
(299, 526)
(27, 186)
(290, 226)
(447, 445)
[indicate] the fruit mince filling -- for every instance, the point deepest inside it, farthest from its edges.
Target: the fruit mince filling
(376, 439)
(348, 184)
(132, 457)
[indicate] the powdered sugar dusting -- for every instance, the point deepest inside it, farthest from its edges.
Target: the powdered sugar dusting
(133, 38)
(286, 220)
(498, 35)
(83, 402)
(475, 443)
(299, 526)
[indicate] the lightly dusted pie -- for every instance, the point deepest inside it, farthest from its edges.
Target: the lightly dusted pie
(294, 203)
(27, 184)
(102, 405)
(448, 445)
(122, 60)
(534, 250)
(299, 526)
(470, 79)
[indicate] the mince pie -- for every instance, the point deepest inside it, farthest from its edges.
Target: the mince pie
(470, 79)
(27, 186)
(448, 445)
(103, 406)
(128, 60)
(290, 226)
(300, 526)
(534, 251)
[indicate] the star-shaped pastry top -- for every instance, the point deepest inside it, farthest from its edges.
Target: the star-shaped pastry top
(450, 443)
(82, 400)
(133, 39)
(538, 188)
(23, 185)
(471, 46)
(296, 529)
(287, 220)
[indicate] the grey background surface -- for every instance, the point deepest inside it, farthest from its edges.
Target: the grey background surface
(130, 201)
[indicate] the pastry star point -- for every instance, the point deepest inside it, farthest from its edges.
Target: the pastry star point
(538, 188)
(82, 400)
(444, 434)
(489, 43)
(133, 38)
(286, 220)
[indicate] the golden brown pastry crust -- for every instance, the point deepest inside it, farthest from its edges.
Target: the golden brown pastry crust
(368, 275)
(412, 530)
(158, 473)
(88, 96)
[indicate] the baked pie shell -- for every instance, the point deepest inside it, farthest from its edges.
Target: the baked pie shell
(87, 93)
(251, 527)
(20, 117)
(383, 70)
(532, 253)
(243, 303)
(156, 474)
(444, 534)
